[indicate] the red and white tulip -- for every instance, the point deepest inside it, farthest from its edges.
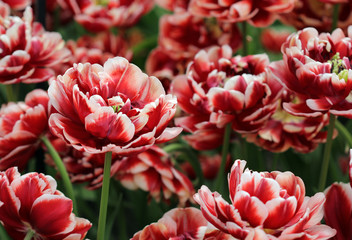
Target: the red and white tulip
(21, 126)
(265, 206)
(115, 107)
(31, 203)
(219, 89)
(317, 68)
(27, 51)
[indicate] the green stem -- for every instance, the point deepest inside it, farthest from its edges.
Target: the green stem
(326, 156)
(29, 235)
(192, 158)
(9, 93)
(62, 170)
(225, 150)
(344, 132)
(244, 39)
(104, 196)
(335, 16)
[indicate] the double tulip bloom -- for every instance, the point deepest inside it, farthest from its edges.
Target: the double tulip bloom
(114, 108)
(21, 126)
(220, 89)
(265, 206)
(27, 51)
(317, 68)
(31, 203)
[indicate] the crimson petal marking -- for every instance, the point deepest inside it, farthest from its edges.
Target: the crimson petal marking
(61, 222)
(106, 123)
(221, 119)
(71, 132)
(144, 139)
(150, 91)
(322, 104)
(148, 180)
(280, 212)
(140, 121)
(254, 92)
(14, 63)
(60, 100)
(9, 212)
(258, 234)
(18, 156)
(144, 88)
(189, 122)
(81, 228)
(37, 97)
(237, 83)
(156, 161)
(35, 120)
(236, 230)
(208, 206)
(250, 208)
(300, 109)
(168, 134)
(127, 180)
(267, 189)
(234, 178)
(82, 104)
(133, 165)
(28, 188)
(121, 129)
(322, 232)
(39, 75)
(226, 100)
(337, 209)
(292, 184)
(315, 205)
(181, 89)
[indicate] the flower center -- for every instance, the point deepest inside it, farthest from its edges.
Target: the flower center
(120, 104)
(102, 2)
(285, 117)
(116, 103)
(338, 67)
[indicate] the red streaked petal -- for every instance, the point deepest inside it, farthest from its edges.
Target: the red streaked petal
(105, 123)
(338, 209)
(280, 211)
(226, 100)
(250, 208)
(52, 224)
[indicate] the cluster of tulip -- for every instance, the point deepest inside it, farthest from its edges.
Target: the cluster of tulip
(79, 114)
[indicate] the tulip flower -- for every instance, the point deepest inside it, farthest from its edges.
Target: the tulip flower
(265, 206)
(32, 205)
